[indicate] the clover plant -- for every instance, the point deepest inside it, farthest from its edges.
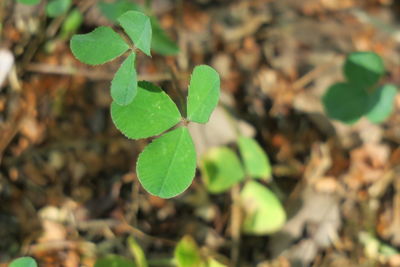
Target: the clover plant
(221, 169)
(23, 262)
(161, 42)
(362, 94)
(139, 110)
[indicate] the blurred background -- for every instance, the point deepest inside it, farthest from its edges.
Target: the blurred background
(69, 193)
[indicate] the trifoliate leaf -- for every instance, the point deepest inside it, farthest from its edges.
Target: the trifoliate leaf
(114, 261)
(381, 103)
(138, 27)
(264, 213)
(345, 102)
(150, 113)
(23, 262)
(115, 9)
(204, 90)
(187, 253)
(99, 46)
(124, 83)
(57, 7)
(161, 42)
(29, 2)
(221, 169)
(167, 166)
(255, 160)
(364, 69)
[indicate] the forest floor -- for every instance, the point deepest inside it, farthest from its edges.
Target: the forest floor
(68, 187)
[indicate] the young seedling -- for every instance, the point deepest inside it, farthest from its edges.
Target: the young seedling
(222, 169)
(360, 95)
(161, 42)
(139, 110)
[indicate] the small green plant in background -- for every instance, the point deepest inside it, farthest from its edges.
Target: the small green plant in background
(56, 8)
(222, 169)
(361, 95)
(23, 262)
(140, 110)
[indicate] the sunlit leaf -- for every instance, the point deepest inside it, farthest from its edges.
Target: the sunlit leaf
(137, 252)
(204, 90)
(187, 253)
(124, 83)
(167, 166)
(99, 46)
(382, 103)
(138, 27)
(221, 169)
(23, 262)
(71, 23)
(345, 102)
(364, 68)
(57, 7)
(255, 160)
(114, 261)
(264, 213)
(150, 113)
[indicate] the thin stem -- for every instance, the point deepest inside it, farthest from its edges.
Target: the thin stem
(148, 5)
(179, 92)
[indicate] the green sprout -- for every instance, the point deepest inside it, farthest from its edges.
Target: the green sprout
(139, 110)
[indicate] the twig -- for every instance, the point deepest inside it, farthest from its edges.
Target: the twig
(236, 222)
(91, 74)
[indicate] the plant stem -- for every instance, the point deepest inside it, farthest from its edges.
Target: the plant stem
(148, 5)
(236, 221)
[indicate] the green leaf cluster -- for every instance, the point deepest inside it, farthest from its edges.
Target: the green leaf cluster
(221, 169)
(361, 94)
(139, 110)
(160, 43)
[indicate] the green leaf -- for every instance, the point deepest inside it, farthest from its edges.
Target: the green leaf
(213, 263)
(138, 27)
(29, 2)
(221, 169)
(381, 103)
(71, 23)
(23, 262)
(124, 83)
(137, 252)
(99, 46)
(114, 261)
(57, 7)
(161, 42)
(204, 90)
(150, 113)
(187, 253)
(166, 167)
(115, 9)
(255, 160)
(345, 102)
(264, 213)
(364, 69)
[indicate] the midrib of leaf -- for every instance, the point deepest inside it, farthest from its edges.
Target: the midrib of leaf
(160, 114)
(206, 96)
(170, 163)
(141, 35)
(127, 88)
